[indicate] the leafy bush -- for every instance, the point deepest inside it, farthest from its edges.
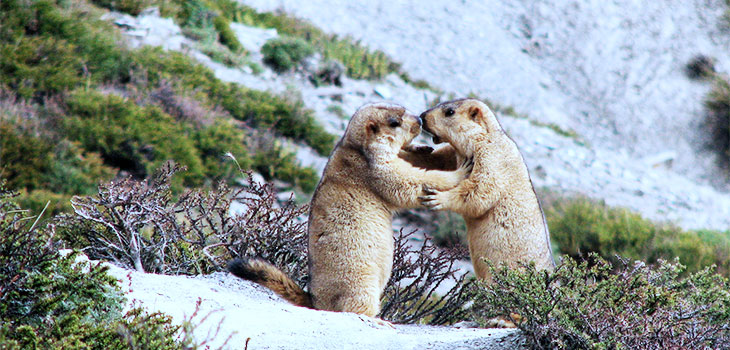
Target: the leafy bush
(132, 138)
(259, 109)
(226, 36)
(215, 142)
(718, 118)
(700, 67)
(24, 158)
(132, 7)
(57, 43)
(35, 201)
(212, 32)
(76, 171)
(219, 53)
(589, 306)
(273, 161)
(39, 66)
(48, 49)
(50, 301)
(286, 53)
(449, 230)
(580, 226)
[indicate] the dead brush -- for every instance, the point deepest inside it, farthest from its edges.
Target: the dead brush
(410, 295)
(138, 224)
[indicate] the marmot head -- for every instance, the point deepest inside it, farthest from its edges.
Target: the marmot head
(381, 129)
(453, 120)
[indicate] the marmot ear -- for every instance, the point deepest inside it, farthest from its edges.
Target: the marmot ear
(475, 112)
(373, 127)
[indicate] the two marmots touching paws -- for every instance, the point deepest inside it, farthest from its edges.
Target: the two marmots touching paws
(374, 171)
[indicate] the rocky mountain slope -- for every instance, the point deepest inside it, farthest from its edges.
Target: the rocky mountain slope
(613, 73)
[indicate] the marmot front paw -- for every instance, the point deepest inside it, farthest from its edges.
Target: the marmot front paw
(434, 199)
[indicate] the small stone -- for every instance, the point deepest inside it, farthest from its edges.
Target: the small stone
(383, 91)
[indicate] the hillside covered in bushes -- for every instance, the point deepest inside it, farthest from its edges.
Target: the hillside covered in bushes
(78, 108)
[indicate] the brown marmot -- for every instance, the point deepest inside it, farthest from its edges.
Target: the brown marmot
(350, 219)
(504, 219)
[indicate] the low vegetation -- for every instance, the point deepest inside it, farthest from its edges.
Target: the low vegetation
(580, 226)
(700, 67)
(585, 304)
(286, 53)
(49, 301)
(139, 225)
(360, 62)
(717, 107)
(84, 109)
(597, 305)
(448, 230)
(717, 104)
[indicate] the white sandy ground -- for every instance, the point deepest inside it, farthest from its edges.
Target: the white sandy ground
(246, 310)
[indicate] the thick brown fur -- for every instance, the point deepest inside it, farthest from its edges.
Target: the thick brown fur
(350, 220)
(268, 275)
(505, 223)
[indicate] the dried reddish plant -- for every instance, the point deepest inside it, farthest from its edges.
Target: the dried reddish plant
(410, 295)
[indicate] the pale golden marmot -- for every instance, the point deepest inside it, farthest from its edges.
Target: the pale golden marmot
(350, 220)
(504, 220)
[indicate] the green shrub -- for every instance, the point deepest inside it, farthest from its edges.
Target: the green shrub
(450, 230)
(212, 32)
(273, 162)
(24, 158)
(286, 53)
(214, 142)
(700, 67)
(75, 171)
(60, 43)
(31, 162)
(132, 138)
(580, 226)
(219, 53)
(49, 48)
(361, 62)
(718, 118)
(36, 201)
(260, 109)
(132, 7)
(598, 306)
(39, 66)
(226, 36)
(49, 301)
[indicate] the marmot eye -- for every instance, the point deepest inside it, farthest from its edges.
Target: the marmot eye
(449, 112)
(393, 122)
